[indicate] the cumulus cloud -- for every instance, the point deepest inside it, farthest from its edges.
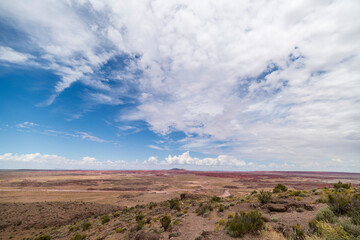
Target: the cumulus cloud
(47, 161)
(256, 80)
(186, 159)
(151, 160)
(26, 125)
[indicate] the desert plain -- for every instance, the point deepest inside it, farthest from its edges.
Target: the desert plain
(131, 204)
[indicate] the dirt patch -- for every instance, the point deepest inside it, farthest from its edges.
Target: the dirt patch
(46, 214)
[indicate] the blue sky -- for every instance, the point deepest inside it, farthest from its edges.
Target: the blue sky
(215, 85)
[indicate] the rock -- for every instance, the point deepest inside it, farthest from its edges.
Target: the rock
(254, 205)
(275, 207)
(147, 236)
(265, 218)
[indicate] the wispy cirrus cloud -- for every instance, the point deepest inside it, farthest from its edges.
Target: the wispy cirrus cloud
(8, 54)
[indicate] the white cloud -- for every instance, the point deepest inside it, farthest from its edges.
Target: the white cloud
(151, 160)
(10, 55)
(221, 160)
(46, 161)
(155, 147)
(88, 159)
(87, 136)
(200, 63)
(26, 125)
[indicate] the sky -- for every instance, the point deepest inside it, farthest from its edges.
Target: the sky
(201, 85)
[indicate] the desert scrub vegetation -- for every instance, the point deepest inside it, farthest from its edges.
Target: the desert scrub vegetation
(175, 204)
(264, 197)
(43, 237)
(139, 221)
(204, 209)
(165, 222)
(324, 230)
(244, 223)
(340, 185)
(105, 219)
(78, 236)
(215, 199)
(325, 214)
(298, 232)
(86, 226)
(279, 188)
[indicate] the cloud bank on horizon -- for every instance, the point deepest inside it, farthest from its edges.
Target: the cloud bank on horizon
(245, 81)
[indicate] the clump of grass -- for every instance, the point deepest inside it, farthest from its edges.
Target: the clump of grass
(264, 197)
(230, 215)
(105, 219)
(221, 221)
(215, 199)
(139, 221)
(120, 230)
(165, 222)
(243, 223)
(43, 237)
(279, 188)
(274, 219)
(204, 209)
(175, 204)
(86, 226)
(78, 237)
(74, 228)
(221, 208)
(298, 232)
(299, 210)
(325, 214)
(298, 198)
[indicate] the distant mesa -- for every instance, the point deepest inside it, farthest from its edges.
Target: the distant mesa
(178, 169)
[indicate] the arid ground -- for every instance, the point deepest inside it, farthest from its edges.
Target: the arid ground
(58, 204)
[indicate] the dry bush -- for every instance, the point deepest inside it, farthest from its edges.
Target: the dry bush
(243, 223)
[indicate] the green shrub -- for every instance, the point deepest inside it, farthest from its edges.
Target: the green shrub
(221, 222)
(280, 188)
(264, 197)
(274, 219)
(250, 222)
(298, 232)
(139, 217)
(175, 204)
(140, 224)
(348, 225)
(339, 185)
(43, 237)
(78, 237)
(299, 210)
(120, 230)
(325, 231)
(105, 219)
(325, 214)
(215, 199)
(165, 222)
(221, 208)
(204, 209)
(86, 226)
(339, 203)
(297, 193)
